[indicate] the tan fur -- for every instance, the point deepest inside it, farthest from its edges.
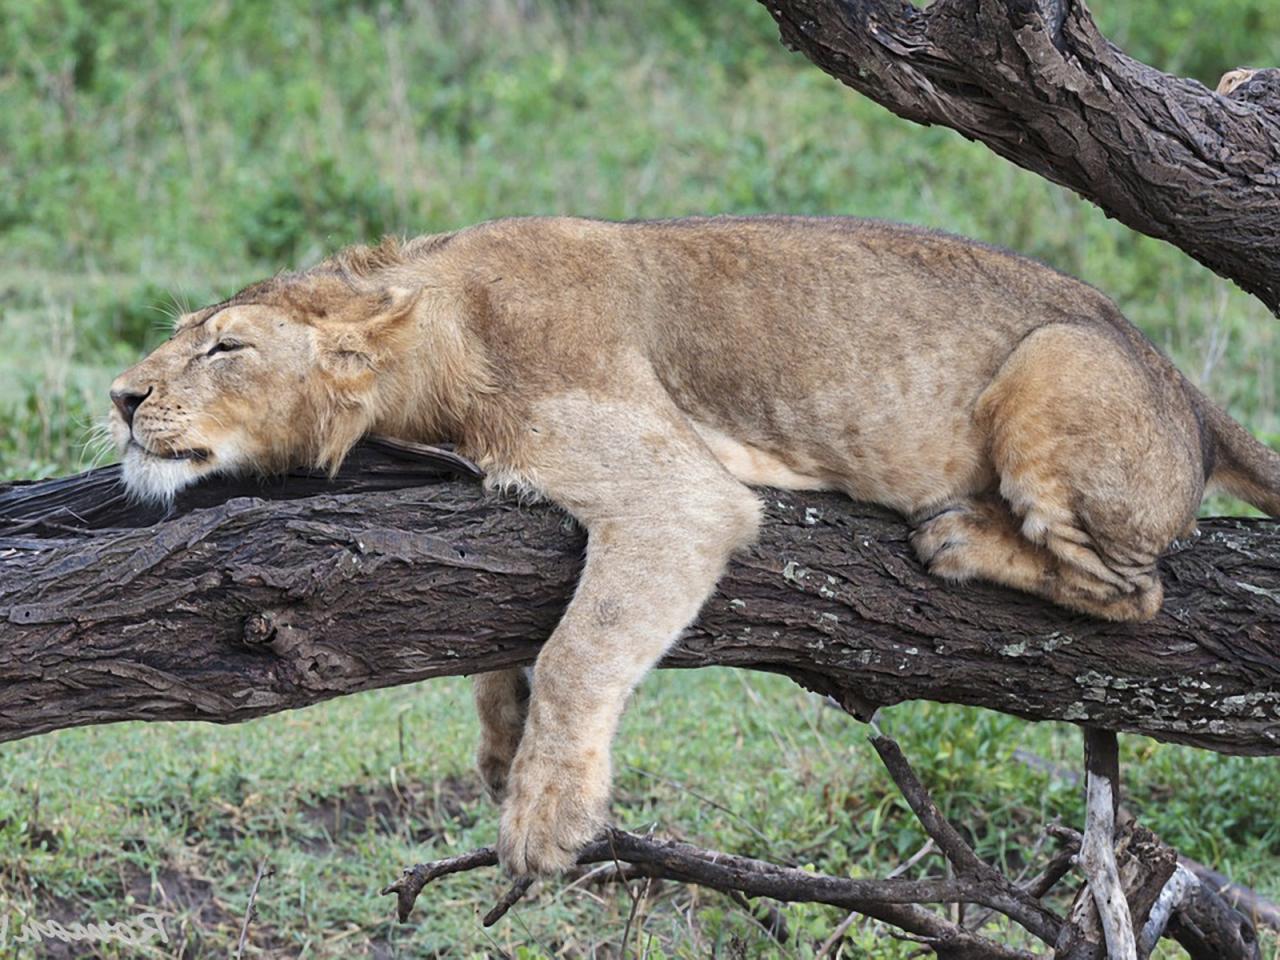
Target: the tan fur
(640, 374)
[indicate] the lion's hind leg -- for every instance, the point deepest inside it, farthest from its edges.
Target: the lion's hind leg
(980, 538)
(1099, 465)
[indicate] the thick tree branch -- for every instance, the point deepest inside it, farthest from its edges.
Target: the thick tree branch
(255, 604)
(1037, 82)
(308, 589)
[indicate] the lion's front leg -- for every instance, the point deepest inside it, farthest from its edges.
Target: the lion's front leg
(502, 702)
(644, 581)
(662, 517)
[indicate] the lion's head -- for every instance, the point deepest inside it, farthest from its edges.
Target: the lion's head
(283, 374)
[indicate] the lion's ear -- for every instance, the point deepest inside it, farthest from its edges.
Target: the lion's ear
(351, 342)
(391, 308)
(375, 313)
(345, 358)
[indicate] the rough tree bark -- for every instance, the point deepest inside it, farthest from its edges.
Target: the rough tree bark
(258, 604)
(305, 589)
(1038, 83)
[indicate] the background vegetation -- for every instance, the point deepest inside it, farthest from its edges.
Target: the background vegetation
(158, 154)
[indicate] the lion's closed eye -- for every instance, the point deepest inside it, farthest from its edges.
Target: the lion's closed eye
(225, 346)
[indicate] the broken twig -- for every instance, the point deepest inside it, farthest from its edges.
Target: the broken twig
(264, 870)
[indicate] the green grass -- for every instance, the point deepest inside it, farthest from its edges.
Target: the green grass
(155, 154)
(341, 796)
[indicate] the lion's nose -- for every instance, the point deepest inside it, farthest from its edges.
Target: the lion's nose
(128, 402)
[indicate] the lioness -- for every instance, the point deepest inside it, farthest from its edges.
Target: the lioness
(642, 375)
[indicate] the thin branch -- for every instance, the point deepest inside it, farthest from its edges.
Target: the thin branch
(264, 870)
(892, 901)
(1057, 868)
(515, 893)
(1173, 895)
(440, 456)
(766, 915)
(1004, 896)
(636, 901)
(836, 935)
(414, 878)
(905, 867)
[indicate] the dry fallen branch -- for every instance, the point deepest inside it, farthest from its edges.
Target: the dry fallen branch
(670, 859)
(1245, 900)
(1139, 882)
(1097, 860)
(893, 900)
(886, 900)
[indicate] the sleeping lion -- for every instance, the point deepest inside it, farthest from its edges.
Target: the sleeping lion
(644, 376)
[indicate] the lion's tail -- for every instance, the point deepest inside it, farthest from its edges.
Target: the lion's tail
(1243, 466)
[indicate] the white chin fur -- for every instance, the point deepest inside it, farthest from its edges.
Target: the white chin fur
(158, 480)
(155, 480)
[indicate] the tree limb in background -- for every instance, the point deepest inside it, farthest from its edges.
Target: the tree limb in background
(1037, 82)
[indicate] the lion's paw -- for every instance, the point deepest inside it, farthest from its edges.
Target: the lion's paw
(494, 766)
(552, 811)
(940, 541)
(499, 744)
